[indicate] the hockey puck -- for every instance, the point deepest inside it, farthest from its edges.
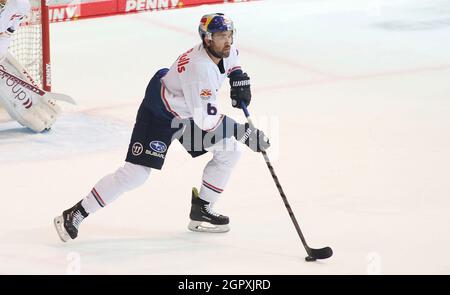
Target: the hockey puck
(310, 258)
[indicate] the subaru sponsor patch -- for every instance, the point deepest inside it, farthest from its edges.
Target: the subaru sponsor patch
(158, 146)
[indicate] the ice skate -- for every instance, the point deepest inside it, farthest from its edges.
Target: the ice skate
(67, 224)
(204, 219)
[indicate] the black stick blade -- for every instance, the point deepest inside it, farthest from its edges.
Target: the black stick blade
(322, 253)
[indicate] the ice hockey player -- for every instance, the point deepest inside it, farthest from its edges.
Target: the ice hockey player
(181, 103)
(23, 105)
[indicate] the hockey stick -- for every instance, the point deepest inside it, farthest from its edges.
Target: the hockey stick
(40, 92)
(313, 254)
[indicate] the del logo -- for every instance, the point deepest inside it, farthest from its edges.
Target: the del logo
(158, 146)
(205, 94)
(137, 149)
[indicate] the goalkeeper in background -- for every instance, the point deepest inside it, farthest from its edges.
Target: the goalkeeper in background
(23, 105)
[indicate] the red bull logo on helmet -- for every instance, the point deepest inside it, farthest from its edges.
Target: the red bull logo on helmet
(216, 22)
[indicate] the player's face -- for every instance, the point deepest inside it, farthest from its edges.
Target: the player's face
(221, 43)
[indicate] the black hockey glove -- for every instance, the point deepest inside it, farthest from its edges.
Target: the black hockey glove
(240, 89)
(255, 139)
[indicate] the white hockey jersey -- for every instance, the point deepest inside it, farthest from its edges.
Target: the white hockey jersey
(10, 18)
(190, 87)
(12, 14)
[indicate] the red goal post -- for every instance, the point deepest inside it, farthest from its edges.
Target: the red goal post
(31, 44)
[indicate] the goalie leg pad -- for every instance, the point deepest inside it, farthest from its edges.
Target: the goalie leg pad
(37, 112)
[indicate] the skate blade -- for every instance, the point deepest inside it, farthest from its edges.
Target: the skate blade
(206, 227)
(59, 226)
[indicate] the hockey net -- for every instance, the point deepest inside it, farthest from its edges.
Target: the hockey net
(30, 44)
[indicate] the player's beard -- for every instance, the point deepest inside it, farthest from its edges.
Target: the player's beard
(219, 54)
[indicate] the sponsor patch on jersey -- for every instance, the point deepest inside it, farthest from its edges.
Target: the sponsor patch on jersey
(158, 146)
(206, 94)
(137, 149)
